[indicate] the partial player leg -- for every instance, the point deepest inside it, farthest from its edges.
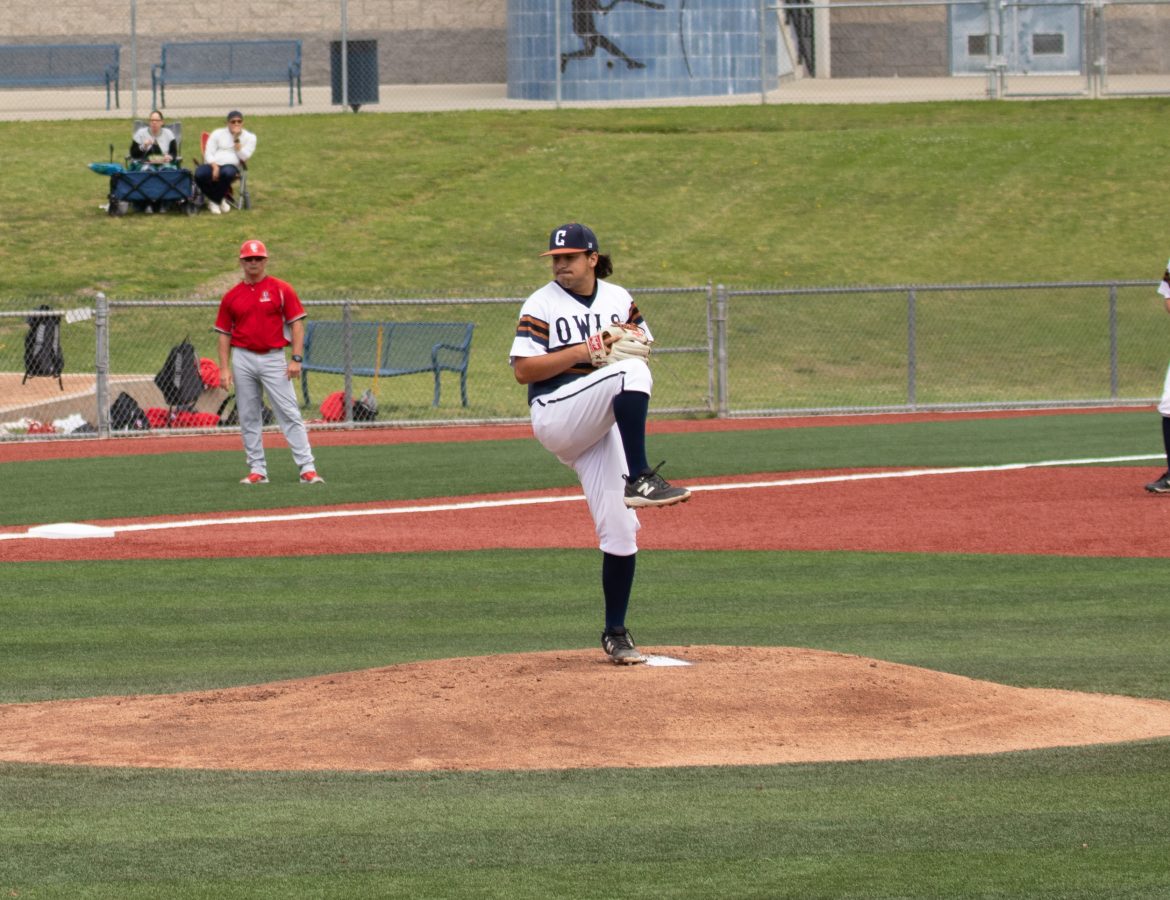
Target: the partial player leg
(629, 412)
(247, 375)
(578, 415)
(600, 469)
(288, 413)
(1162, 485)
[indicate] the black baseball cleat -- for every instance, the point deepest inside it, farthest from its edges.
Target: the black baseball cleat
(651, 489)
(1161, 486)
(619, 646)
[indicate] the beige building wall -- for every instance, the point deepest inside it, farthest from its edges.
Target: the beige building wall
(68, 19)
(419, 41)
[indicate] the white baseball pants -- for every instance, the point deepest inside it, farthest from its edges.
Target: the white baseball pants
(576, 424)
(1164, 403)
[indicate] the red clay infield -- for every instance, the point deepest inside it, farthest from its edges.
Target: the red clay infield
(733, 705)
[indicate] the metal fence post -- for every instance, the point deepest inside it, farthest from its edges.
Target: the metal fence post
(557, 51)
(723, 409)
(912, 349)
(347, 357)
(1113, 352)
(710, 348)
(1095, 47)
(102, 363)
(763, 56)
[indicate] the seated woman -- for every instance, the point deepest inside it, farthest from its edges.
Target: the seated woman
(152, 149)
(153, 146)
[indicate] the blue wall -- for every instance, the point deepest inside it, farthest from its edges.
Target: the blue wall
(689, 48)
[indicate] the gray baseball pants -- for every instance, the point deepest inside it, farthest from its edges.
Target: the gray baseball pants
(268, 371)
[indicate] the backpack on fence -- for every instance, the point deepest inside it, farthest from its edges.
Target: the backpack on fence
(42, 346)
(180, 379)
(365, 408)
(229, 415)
(127, 415)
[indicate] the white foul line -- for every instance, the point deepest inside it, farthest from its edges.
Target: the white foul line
(533, 501)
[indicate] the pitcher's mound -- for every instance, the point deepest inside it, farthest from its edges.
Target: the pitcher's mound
(573, 709)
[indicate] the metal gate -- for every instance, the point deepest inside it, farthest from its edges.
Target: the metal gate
(1042, 37)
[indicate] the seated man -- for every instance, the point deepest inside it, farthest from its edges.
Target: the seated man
(153, 146)
(226, 152)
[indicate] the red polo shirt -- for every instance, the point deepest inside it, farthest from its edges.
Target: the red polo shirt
(255, 314)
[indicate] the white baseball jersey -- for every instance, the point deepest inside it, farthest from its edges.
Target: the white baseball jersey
(552, 318)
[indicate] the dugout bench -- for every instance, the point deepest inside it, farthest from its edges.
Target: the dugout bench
(226, 62)
(387, 349)
(61, 65)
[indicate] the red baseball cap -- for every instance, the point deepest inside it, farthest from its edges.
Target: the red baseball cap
(253, 248)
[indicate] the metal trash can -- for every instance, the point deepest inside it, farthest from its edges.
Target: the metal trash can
(361, 60)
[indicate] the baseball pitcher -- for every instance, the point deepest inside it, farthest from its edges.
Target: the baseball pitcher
(582, 348)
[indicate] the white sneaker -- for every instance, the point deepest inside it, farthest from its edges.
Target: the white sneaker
(225, 207)
(213, 207)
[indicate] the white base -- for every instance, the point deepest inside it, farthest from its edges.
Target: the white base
(70, 531)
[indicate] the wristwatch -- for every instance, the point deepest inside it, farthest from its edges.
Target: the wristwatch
(296, 357)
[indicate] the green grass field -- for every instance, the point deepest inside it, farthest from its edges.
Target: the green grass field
(1082, 822)
(424, 204)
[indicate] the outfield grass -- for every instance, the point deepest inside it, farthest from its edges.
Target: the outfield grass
(1063, 823)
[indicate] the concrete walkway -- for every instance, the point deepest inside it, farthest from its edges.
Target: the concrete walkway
(272, 100)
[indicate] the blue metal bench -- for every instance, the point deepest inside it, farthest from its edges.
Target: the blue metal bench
(387, 349)
(226, 62)
(61, 65)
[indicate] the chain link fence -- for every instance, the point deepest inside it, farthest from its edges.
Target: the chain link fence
(718, 352)
(111, 347)
(938, 347)
(310, 56)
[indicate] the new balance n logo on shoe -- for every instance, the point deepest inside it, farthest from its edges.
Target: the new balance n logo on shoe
(651, 489)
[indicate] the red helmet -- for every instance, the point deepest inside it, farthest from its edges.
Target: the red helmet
(253, 248)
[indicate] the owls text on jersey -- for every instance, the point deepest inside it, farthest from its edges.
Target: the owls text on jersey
(552, 318)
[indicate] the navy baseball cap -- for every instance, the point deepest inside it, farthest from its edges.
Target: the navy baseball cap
(235, 114)
(571, 238)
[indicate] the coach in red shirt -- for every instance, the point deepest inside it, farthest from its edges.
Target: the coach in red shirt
(257, 319)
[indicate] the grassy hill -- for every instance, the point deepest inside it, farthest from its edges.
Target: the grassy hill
(462, 203)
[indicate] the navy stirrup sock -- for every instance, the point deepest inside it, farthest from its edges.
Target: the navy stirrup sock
(1166, 439)
(629, 411)
(617, 578)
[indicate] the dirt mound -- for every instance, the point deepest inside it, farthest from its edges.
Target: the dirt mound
(571, 709)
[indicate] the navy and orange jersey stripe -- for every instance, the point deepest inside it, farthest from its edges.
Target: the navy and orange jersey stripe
(533, 328)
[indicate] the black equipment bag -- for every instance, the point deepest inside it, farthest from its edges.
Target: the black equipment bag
(179, 379)
(127, 415)
(42, 346)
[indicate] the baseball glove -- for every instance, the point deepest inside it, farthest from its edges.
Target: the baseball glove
(617, 342)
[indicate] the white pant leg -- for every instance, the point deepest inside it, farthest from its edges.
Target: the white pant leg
(576, 424)
(600, 469)
(577, 415)
(1164, 403)
(247, 373)
(283, 395)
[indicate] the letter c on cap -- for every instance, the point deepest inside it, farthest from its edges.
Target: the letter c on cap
(560, 240)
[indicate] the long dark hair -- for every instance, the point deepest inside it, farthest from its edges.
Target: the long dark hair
(604, 267)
